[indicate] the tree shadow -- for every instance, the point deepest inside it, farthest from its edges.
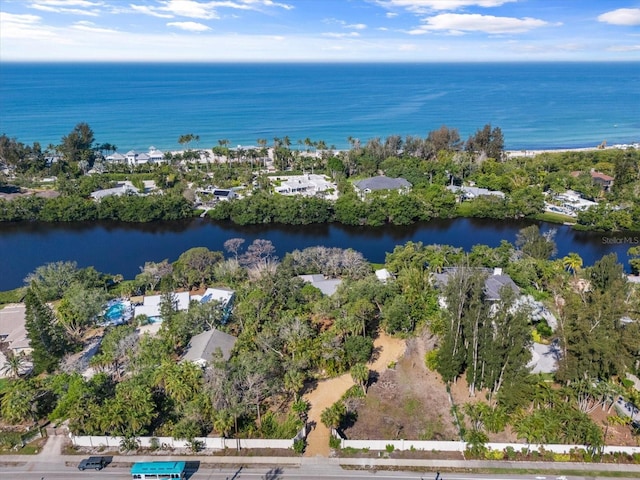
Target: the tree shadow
(373, 378)
(273, 474)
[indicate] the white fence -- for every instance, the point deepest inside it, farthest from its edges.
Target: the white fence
(401, 445)
(209, 443)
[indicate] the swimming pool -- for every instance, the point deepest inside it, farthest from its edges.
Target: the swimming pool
(117, 312)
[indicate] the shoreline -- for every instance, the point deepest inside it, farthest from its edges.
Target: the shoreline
(533, 152)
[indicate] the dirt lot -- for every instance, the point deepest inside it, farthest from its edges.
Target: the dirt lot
(412, 403)
(408, 401)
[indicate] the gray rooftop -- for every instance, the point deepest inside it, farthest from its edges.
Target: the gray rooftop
(382, 183)
(204, 345)
(492, 285)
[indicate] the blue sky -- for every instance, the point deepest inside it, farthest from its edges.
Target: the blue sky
(319, 30)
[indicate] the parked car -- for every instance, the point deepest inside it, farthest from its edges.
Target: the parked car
(97, 463)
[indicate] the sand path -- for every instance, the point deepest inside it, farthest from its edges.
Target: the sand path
(328, 392)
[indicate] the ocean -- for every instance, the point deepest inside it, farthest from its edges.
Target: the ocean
(134, 106)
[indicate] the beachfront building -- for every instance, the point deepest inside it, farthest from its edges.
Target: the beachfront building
(133, 158)
(307, 185)
(381, 183)
(469, 193)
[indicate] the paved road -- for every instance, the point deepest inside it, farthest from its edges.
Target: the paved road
(55, 472)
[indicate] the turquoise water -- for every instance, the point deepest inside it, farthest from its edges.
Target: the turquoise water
(115, 311)
(537, 105)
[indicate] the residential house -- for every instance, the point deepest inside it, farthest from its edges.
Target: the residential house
(603, 180)
(568, 203)
(149, 305)
(125, 188)
(116, 157)
(469, 193)
(203, 346)
(381, 183)
(384, 275)
(493, 283)
(306, 185)
(598, 178)
(12, 329)
(327, 286)
(223, 296)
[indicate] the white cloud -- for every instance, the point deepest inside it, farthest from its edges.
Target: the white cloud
(624, 48)
(356, 26)
(69, 3)
(189, 9)
(622, 16)
(72, 7)
(71, 11)
(431, 5)
(189, 26)
(341, 35)
(391, 15)
(456, 23)
(23, 26)
(92, 27)
(204, 11)
(150, 11)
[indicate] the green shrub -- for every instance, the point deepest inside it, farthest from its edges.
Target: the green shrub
(389, 448)
(334, 442)
(431, 359)
(493, 454)
(299, 446)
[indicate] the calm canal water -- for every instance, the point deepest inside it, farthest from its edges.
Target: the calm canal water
(122, 248)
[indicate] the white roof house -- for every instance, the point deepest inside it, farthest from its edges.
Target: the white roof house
(474, 192)
(182, 300)
(116, 157)
(383, 275)
(306, 185)
(12, 328)
(203, 346)
(122, 189)
(222, 295)
(151, 304)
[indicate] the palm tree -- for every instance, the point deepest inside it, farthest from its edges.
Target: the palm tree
(223, 422)
(14, 364)
(293, 382)
(360, 374)
(332, 416)
(572, 262)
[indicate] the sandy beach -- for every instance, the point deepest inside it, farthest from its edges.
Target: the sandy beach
(533, 153)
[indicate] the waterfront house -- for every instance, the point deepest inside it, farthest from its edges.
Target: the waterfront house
(327, 286)
(12, 329)
(202, 347)
(381, 183)
(149, 305)
(306, 185)
(124, 188)
(493, 284)
(469, 193)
